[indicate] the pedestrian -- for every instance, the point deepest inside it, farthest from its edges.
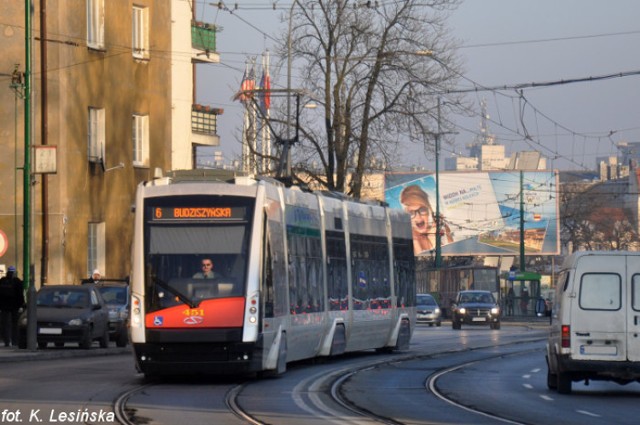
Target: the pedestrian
(11, 302)
(524, 301)
(541, 307)
(510, 300)
(95, 276)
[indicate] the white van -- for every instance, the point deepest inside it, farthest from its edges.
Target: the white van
(595, 323)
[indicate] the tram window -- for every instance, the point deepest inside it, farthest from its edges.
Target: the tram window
(370, 272)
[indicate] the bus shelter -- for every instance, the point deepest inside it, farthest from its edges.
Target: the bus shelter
(521, 294)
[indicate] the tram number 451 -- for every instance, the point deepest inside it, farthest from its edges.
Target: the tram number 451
(193, 312)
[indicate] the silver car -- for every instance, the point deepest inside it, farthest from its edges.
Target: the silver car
(427, 310)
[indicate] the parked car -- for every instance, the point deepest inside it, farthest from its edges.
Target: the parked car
(427, 310)
(475, 308)
(68, 313)
(116, 295)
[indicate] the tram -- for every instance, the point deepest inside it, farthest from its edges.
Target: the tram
(296, 275)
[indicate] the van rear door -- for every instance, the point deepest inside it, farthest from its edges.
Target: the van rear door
(598, 313)
(633, 312)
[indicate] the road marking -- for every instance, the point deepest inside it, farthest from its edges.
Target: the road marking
(536, 370)
(546, 397)
(528, 386)
(584, 412)
(526, 376)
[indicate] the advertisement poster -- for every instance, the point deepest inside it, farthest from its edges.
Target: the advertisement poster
(479, 211)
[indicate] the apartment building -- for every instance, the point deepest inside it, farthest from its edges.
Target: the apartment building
(113, 92)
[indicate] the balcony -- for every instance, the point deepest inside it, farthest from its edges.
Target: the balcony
(203, 43)
(204, 125)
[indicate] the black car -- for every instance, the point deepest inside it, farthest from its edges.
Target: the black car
(68, 313)
(116, 295)
(475, 308)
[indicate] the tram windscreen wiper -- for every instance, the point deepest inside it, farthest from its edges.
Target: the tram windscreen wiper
(182, 297)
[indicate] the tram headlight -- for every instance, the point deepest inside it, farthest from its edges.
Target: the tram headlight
(136, 310)
(253, 310)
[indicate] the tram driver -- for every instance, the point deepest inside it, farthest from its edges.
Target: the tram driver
(206, 272)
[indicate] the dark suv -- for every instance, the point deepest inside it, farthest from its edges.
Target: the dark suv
(475, 308)
(116, 296)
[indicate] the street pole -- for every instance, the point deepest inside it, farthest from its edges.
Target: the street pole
(289, 60)
(522, 268)
(438, 224)
(26, 210)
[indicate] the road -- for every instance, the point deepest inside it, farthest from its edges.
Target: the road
(472, 376)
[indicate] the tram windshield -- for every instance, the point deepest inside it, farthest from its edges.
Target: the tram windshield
(194, 253)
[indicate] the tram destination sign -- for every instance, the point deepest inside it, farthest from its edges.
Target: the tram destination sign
(218, 213)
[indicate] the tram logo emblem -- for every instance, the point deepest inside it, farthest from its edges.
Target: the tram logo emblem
(158, 321)
(193, 320)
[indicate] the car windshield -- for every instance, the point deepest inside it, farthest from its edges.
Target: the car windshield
(114, 295)
(477, 297)
(426, 300)
(63, 298)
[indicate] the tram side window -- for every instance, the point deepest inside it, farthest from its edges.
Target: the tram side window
(269, 295)
(278, 264)
(337, 284)
(404, 272)
(371, 287)
(305, 274)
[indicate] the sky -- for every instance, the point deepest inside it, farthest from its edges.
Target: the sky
(503, 43)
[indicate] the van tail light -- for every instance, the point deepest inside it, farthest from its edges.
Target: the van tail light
(566, 336)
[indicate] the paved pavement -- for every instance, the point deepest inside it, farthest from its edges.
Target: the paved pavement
(14, 354)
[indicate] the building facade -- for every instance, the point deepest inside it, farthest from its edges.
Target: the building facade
(109, 79)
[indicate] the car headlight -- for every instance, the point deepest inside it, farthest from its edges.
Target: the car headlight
(75, 322)
(495, 311)
(23, 321)
(123, 314)
(436, 311)
(462, 310)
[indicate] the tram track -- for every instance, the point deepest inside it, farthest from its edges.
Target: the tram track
(321, 395)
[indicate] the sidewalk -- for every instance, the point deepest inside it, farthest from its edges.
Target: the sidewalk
(14, 354)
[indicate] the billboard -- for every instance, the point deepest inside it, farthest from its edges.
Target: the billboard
(480, 211)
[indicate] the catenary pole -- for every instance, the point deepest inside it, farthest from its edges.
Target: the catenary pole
(26, 173)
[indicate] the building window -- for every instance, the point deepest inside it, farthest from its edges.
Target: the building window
(140, 36)
(140, 139)
(96, 248)
(95, 24)
(96, 136)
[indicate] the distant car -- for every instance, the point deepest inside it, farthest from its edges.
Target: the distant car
(475, 308)
(116, 295)
(427, 310)
(68, 313)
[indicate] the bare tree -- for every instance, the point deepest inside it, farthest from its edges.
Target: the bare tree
(376, 69)
(593, 218)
